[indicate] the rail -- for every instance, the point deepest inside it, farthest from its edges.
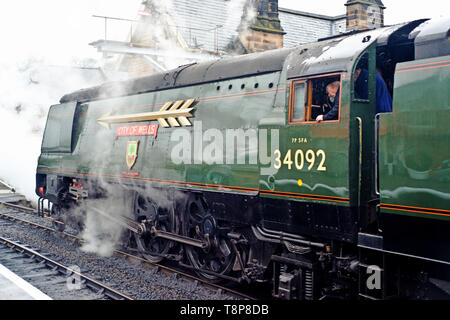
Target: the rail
(126, 255)
(89, 282)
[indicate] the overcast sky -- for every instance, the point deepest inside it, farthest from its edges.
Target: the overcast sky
(396, 10)
(56, 27)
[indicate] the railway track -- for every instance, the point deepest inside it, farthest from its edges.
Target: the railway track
(53, 278)
(154, 267)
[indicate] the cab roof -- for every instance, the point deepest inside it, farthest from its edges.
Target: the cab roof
(432, 38)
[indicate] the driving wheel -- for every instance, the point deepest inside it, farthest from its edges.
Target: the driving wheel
(149, 214)
(218, 257)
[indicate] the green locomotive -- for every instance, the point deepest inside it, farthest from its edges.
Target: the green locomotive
(222, 166)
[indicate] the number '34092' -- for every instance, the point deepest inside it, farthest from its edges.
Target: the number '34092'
(299, 159)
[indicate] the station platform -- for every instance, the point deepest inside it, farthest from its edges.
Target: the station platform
(8, 193)
(12, 287)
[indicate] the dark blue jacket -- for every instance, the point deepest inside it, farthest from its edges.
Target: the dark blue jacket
(383, 98)
(333, 114)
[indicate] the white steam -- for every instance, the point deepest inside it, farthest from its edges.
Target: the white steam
(240, 13)
(39, 37)
(102, 234)
(36, 35)
(28, 90)
(105, 230)
(160, 30)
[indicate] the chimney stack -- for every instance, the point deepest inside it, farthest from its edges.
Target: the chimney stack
(264, 31)
(364, 14)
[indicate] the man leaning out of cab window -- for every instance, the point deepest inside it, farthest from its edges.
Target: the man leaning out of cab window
(333, 101)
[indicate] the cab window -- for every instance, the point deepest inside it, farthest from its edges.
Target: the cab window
(314, 97)
(58, 130)
(298, 94)
(361, 80)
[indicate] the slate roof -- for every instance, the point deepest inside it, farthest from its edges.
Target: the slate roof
(206, 15)
(303, 27)
(203, 16)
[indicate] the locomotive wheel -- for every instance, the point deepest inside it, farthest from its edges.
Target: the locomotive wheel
(199, 224)
(148, 212)
(58, 214)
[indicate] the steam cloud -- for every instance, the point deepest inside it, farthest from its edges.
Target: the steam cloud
(28, 88)
(37, 35)
(102, 234)
(27, 95)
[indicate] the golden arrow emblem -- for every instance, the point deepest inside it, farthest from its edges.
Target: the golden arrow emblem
(175, 113)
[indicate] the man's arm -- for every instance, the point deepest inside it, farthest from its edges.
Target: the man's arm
(333, 114)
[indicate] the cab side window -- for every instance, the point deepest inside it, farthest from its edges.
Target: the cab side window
(297, 105)
(315, 99)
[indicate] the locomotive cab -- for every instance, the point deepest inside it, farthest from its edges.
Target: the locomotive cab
(328, 166)
(324, 180)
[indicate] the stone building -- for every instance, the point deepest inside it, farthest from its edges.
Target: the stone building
(364, 14)
(171, 33)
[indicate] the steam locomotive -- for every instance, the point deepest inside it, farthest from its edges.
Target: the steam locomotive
(222, 167)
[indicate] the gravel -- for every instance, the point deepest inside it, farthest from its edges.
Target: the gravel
(131, 278)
